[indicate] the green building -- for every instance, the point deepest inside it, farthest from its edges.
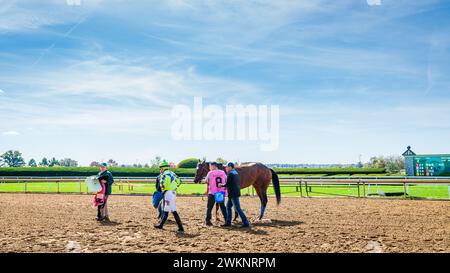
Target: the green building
(426, 164)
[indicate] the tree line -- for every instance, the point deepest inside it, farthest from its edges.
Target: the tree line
(392, 164)
(15, 159)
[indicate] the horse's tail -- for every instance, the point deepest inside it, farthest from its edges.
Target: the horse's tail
(276, 186)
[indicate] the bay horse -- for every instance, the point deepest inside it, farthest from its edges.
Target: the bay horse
(253, 174)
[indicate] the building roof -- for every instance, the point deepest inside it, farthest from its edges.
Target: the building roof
(433, 155)
(408, 152)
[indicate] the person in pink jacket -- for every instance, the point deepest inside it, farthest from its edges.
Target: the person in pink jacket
(99, 201)
(215, 180)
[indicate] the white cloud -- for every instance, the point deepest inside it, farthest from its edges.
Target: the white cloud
(2, 92)
(107, 91)
(11, 133)
(34, 14)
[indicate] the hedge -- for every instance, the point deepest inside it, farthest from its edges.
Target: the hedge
(330, 171)
(87, 171)
(152, 172)
(189, 163)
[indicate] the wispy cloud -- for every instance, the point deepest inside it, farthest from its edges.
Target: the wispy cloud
(11, 133)
(337, 69)
(106, 91)
(34, 14)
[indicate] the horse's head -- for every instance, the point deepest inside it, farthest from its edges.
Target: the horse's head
(202, 171)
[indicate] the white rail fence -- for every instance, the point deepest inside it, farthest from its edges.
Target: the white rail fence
(300, 186)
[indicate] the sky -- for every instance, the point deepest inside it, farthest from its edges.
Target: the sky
(94, 80)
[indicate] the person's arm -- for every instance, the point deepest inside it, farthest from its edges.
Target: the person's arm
(207, 183)
(229, 181)
(110, 179)
(207, 178)
(224, 183)
(103, 176)
(161, 181)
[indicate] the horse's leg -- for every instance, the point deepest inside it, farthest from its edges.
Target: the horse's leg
(261, 190)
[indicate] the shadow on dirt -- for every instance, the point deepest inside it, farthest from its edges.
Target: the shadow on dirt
(110, 223)
(255, 231)
(279, 223)
(187, 235)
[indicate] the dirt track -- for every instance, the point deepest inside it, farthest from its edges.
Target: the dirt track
(65, 223)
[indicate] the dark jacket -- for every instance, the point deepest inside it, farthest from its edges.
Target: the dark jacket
(158, 184)
(107, 175)
(233, 184)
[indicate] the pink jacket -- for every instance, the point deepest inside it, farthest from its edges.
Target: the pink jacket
(214, 178)
(100, 197)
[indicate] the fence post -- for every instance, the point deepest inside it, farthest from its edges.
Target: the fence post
(306, 188)
(404, 189)
(359, 195)
(301, 191)
(57, 186)
(364, 188)
(80, 188)
(25, 188)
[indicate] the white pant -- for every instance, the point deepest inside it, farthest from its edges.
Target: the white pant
(169, 201)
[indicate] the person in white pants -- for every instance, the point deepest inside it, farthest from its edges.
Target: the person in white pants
(169, 182)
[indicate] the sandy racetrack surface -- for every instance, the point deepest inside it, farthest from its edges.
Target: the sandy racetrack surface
(65, 223)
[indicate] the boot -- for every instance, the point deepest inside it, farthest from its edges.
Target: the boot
(177, 218)
(163, 220)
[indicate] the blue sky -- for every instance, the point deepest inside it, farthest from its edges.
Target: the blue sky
(97, 80)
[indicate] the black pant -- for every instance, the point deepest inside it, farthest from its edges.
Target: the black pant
(210, 206)
(100, 209)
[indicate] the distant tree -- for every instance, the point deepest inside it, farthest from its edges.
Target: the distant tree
(112, 163)
(155, 162)
(44, 162)
(94, 164)
(392, 164)
(32, 163)
(146, 165)
(13, 159)
(53, 162)
(221, 160)
(67, 162)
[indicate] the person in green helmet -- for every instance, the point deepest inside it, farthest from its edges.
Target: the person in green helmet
(169, 182)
